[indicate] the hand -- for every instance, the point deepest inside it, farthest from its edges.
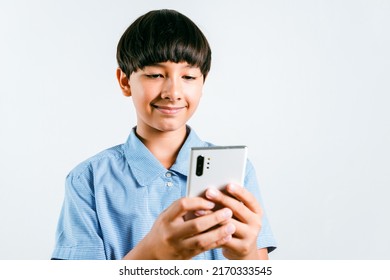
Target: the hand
(171, 237)
(247, 220)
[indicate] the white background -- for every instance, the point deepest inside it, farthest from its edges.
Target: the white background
(305, 84)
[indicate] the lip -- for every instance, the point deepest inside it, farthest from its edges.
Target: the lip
(169, 110)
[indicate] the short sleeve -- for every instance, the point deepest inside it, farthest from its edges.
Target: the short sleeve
(78, 234)
(265, 238)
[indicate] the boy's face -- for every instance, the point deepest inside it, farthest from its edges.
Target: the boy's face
(165, 95)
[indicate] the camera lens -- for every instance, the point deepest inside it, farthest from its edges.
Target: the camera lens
(199, 166)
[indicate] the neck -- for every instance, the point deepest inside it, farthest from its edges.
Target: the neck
(165, 146)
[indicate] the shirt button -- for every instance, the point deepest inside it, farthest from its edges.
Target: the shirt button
(169, 184)
(168, 175)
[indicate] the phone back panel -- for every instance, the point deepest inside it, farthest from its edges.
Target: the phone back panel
(222, 165)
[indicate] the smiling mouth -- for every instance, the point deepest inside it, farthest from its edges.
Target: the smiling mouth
(168, 109)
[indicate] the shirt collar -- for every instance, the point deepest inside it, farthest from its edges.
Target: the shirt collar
(183, 158)
(146, 168)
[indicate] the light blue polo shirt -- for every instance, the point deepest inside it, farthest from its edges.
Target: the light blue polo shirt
(112, 200)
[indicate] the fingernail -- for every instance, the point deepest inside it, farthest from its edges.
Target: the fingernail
(211, 193)
(199, 213)
(227, 238)
(227, 213)
(211, 205)
(230, 229)
(232, 187)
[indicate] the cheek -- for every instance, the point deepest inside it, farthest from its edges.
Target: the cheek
(194, 100)
(141, 95)
(194, 93)
(141, 103)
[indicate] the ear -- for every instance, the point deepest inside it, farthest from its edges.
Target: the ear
(123, 82)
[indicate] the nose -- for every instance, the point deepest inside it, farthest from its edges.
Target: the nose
(171, 90)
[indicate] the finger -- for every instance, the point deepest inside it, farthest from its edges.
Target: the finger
(237, 249)
(211, 239)
(245, 196)
(201, 224)
(241, 229)
(240, 211)
(199, 213)
(245, 231)
(186, 204)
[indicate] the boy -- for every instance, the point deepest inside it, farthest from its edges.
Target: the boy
(128, 201)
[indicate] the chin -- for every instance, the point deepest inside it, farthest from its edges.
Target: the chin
(170, 127)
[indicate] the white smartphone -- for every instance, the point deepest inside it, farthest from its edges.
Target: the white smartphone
(215, 167)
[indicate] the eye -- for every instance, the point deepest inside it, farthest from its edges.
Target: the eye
(187, 77)
(154, 76)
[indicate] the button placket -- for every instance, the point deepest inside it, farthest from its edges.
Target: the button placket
(169, 182)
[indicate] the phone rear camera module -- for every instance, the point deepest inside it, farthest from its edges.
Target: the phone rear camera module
(199, 166)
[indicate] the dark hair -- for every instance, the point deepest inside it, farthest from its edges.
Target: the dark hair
(160, 36)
